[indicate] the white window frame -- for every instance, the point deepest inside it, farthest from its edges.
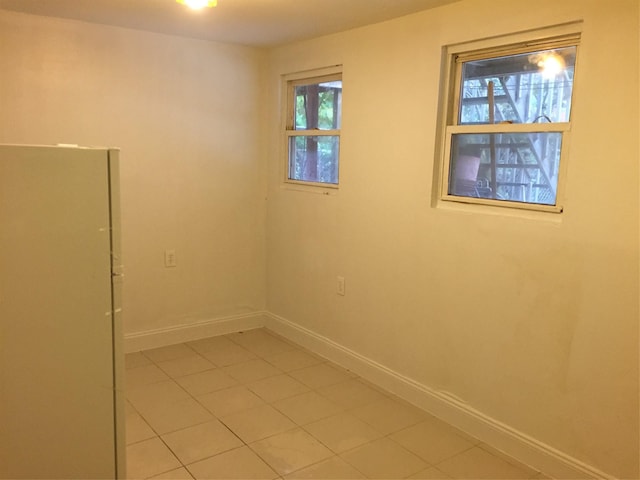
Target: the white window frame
(553, 37)
(290, 81)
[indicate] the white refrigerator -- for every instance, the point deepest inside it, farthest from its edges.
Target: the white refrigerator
(61, 352)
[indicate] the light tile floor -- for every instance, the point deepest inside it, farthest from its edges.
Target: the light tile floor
(253, 406)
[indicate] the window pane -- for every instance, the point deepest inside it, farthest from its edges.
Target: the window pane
(318, 106)
(528, 88)
(518, 167)
(314, 158)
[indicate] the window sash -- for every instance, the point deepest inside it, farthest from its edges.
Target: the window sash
(328, 174)
(570, 40)
(312, 133)
(473, 129)
(461, 54)
(510, 128)
(291, 95)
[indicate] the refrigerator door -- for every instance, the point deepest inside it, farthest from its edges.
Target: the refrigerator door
(56, 331)
(117, 278)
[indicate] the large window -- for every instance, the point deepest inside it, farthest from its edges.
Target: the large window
(507, 123)
(314, 110)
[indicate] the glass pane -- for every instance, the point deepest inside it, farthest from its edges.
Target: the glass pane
(314, 158)
(528, 88)
(318, 106)
(518, 167)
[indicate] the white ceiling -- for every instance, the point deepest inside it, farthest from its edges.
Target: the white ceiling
(250, 22)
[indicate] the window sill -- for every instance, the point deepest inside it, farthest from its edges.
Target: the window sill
(551, 214)
(317, 188)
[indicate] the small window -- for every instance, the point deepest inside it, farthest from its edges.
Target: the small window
(508, 122)
(314, 111)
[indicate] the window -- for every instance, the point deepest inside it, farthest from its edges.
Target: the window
(313, 121)
(508, 122)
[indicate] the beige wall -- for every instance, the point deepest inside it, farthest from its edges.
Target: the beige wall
(186, 115)
(532, 322)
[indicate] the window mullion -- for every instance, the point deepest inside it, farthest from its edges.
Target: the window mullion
(313, 133)
(510, 128)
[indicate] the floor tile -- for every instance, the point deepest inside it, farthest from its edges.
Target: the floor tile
(342, 432)
(261, 343)
(479, 464)
(333, 468)
(240, 464)
(178, 474)
(291, 451)
(384, 459)
(541, 476)
(136, 428)
(148, 396)
(321, 375)
(145, 375)
(230, 400)
(307, 408)
(170, 352)
(388, 416)
(209, 344)
(148, 458)
(352, 393)
(432, 440)
(201, 441)
(508, 458)
(375, 387)
(137, 359)
(257, 423)
(169, 417)
(128, 407)
(251, 371)
(179, 367)
(430, 473)
(248, 335)
(277, 388)
(229, 355)
(206, 382)
(293, 360)
(263, 388)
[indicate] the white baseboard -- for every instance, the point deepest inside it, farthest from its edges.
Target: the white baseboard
(135, 342)
(510, 441)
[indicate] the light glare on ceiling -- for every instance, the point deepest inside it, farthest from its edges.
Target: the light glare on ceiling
(198, 4)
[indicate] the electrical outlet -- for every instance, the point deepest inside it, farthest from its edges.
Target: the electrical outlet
(170, 258)
(340, 286)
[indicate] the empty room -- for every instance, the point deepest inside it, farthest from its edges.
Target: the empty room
(333, 239)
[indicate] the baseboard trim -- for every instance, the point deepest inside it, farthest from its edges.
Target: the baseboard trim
(135, 342)
(510, 441)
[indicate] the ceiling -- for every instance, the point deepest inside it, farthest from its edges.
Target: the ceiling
(262, 23)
